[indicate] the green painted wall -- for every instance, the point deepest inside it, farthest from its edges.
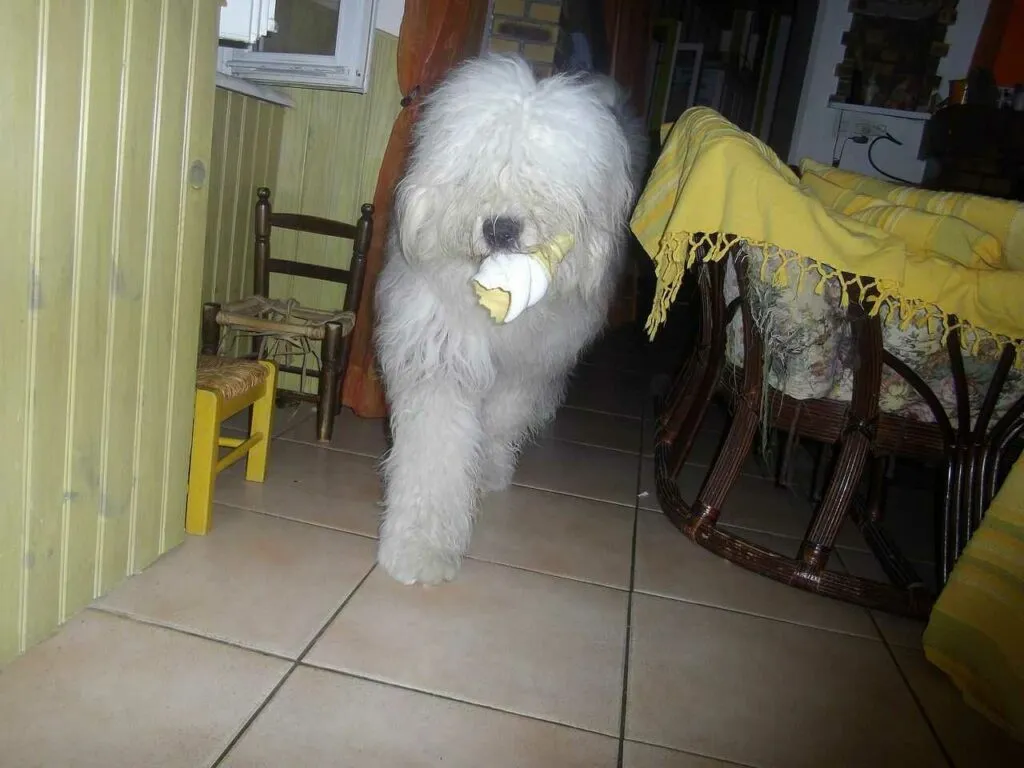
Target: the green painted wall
(105, 104)
(246, 146)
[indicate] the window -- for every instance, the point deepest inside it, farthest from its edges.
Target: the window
(305, 43)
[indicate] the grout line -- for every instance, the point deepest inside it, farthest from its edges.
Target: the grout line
(284, 678)
(629, 601)
(576, 495)
(311, 523)
(148, 622)
(688, 753)
(777, 619)
(329, 447)
(584, 409)
(913, 694)
(453, 699)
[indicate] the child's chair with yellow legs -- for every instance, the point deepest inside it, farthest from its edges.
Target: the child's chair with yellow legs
(225, 386)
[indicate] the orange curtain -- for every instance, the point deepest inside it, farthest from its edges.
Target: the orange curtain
(435, 35)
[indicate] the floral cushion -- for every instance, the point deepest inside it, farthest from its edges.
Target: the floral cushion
(809, 346)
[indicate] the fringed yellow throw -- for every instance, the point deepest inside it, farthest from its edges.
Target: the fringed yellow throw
(976, 630)
(714, 184)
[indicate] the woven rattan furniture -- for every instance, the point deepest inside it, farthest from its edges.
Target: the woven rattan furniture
(264, 318)
(225, 386)
(974, 446)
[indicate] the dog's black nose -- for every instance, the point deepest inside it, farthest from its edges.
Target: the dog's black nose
(502, 232)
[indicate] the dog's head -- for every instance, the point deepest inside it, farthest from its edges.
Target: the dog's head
(502, 162)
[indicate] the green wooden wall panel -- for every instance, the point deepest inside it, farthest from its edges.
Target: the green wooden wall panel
(19, 70)
(124, 340)
(106, 102)
(246, 143)
(58, 108)
(92, 281)
(188, 278)
(157, 330)
(247, 138)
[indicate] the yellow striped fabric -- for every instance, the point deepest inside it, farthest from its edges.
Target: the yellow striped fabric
(976, 631)
(930, 233)
(1004, 219)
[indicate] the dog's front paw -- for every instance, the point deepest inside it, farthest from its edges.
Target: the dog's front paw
(409, 560)
(496, 477)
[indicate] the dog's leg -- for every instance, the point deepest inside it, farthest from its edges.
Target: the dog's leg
(510, 413)
(430, 489)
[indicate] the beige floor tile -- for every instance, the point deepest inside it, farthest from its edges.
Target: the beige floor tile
(618, 392)
(108, 692)
(601, 430)
(579, 470)
(637, 755)
(670, 565)
(768, 693)
(506, 638)
(752, 503)
(619, 349)
(352, 434)
(898, 630)
(971, 739)
(329, 488)
(321, 718)
(705, 445)
(254, 580)
(557, 534)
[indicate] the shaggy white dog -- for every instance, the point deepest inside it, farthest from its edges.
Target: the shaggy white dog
(501, 162)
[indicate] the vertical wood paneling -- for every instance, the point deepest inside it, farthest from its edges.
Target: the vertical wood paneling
(124, 340)
(188, 278)
(92, 281)
(19, 61)
(218, 188)
(331, 150)
(105, 104)
(166, 181)
(246, 144)
(58, 107)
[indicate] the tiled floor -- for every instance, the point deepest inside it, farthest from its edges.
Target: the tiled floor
(584, 630)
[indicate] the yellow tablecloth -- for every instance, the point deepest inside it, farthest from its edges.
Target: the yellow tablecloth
(712, 179)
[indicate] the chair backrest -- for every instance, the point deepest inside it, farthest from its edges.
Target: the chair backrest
(359, 233)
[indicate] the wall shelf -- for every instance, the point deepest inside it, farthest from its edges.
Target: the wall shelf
(903, 114)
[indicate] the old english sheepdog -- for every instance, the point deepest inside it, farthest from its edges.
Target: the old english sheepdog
(502, 164)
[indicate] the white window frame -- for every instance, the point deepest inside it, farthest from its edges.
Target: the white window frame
(246, 21)
(346, 70)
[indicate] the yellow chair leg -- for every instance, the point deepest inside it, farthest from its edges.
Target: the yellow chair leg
(262, 422)
(203, 466)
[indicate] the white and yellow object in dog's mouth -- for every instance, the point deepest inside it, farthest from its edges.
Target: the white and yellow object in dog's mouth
(509, 283)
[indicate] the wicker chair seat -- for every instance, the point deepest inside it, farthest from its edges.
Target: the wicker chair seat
(227, 376)
(258, 314)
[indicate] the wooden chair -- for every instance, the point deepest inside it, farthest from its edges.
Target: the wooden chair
(977, 444)
(263, 318)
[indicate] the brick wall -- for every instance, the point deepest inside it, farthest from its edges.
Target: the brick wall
(529, 27)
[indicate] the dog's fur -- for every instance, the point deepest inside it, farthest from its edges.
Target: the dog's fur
(561, 156)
